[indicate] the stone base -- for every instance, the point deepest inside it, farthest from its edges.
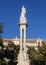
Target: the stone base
(22, 60)
(23, 63)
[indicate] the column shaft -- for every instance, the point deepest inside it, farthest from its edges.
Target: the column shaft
(25, 41)
(20, 39)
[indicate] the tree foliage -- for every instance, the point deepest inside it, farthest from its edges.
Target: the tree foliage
(38, 57)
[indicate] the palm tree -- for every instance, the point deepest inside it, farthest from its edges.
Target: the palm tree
(1, 31)
(1, 28)
(1, 46)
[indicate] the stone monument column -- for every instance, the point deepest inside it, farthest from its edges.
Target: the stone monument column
(22, 57)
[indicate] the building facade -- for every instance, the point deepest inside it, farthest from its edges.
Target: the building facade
(29, 42)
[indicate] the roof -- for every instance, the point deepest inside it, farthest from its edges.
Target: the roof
(31, 41)
(6, 40)
(27, 41)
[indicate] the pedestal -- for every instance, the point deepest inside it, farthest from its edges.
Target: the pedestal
(22, 60)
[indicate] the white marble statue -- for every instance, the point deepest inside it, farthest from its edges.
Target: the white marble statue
(22, 17)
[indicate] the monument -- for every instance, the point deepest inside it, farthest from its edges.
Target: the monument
(22, 57)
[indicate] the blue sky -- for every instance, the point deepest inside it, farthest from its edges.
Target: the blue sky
(10, 11)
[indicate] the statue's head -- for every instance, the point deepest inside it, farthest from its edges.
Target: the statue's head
(23, 10)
